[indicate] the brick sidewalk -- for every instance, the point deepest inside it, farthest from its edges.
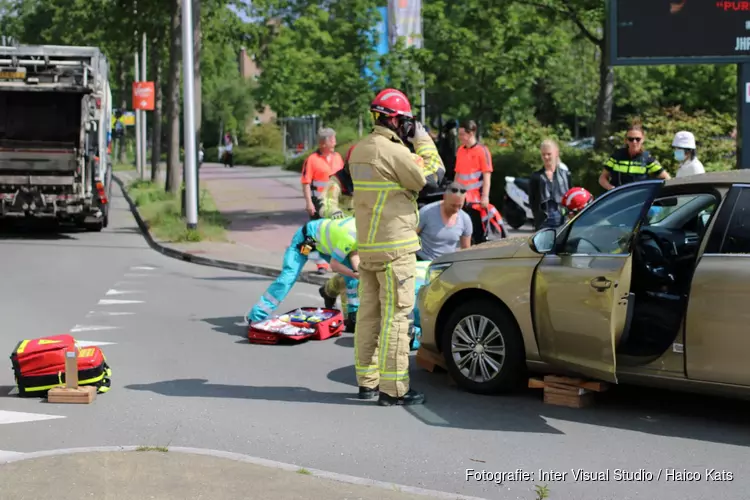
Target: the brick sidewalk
(264, 207)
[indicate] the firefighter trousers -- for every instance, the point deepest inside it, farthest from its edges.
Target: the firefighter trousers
(381, 337)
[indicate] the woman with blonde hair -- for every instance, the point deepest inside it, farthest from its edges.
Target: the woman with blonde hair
(547, 186)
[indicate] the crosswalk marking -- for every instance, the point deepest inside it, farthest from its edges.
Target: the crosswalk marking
(121, 292)
(91, 328)
(108, 313)
(92, 343)
(110, 302)
(17, 417)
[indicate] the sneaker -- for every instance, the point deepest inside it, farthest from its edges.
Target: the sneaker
(367, 393)
(410, 398)
(328, 302)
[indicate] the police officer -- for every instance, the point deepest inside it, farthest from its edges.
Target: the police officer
(387, 179)
(631, 163)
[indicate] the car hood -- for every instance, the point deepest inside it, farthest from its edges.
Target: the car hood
(502, 249)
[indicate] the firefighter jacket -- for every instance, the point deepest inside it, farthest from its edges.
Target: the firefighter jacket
(386, 182)
(337, 199)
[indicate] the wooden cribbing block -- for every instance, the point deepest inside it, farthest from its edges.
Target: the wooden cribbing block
(79, 395)
(567, 391)
(71, 393)
(429, 360)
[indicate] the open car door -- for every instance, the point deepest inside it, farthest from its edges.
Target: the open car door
(582, 302)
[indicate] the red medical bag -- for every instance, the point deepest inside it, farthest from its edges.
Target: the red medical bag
(39, 365)
(296, 326)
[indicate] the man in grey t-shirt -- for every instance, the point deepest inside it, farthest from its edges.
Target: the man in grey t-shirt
(443, 226)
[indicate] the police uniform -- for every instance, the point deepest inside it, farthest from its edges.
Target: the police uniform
(624, 169)
(332, 239)
(386, 182)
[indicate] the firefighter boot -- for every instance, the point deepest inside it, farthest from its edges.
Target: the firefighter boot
(367, 393)
(328, 301)
(410, 398)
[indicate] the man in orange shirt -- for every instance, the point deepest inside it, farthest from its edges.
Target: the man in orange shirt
(316, 171)
(474, 173)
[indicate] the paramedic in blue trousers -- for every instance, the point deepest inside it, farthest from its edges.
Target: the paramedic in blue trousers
(335, 240)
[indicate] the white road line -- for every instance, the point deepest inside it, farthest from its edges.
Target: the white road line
(121, 292)
(13, 391)
(108, 313)
(93, 343)
(17, 417)
(7, 455)
(91, 328)
(110, 302)
(143, 268)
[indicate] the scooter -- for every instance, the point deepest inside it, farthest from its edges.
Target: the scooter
(516, 208)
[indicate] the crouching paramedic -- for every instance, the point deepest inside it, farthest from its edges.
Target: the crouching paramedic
(334, 240)
(387, 179)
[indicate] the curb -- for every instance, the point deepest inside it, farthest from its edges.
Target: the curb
(271, 272)
(321, 474)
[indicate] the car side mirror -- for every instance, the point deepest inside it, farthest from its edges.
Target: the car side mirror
(543, 241)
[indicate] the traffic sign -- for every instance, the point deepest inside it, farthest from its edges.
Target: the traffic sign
(143, 96)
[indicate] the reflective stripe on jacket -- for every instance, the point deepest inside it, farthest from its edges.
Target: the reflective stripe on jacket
(623, 169)
(386, 183)
(335, 201)
(337, 238)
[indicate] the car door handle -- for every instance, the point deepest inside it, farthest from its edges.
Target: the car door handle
(600, 283)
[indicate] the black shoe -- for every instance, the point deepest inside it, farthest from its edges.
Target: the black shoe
(349, 326)
(410, 398)
(367, 393)
(328, 302)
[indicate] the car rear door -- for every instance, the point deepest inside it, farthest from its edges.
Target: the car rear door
(717, 344)
(581, 291)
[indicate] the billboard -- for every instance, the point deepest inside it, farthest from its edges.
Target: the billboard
(648, 32)
(405, 20)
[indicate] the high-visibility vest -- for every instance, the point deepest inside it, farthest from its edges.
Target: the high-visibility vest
(337, 237)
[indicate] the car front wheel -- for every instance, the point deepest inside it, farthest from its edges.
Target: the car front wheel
(483, 349)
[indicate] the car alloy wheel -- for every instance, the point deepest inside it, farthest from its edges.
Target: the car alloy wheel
(478, 348)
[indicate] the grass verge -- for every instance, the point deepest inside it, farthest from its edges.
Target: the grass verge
(161, 449)
(162, 213)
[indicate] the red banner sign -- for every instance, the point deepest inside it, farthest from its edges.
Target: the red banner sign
(143, 96)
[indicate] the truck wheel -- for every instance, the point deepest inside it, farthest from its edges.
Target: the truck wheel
(483, 348)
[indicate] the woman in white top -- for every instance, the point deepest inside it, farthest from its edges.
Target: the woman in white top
(684, 153)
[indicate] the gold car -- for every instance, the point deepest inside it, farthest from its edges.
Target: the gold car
(650, 284)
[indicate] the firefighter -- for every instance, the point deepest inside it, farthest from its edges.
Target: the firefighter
(387, 179)
(334, 240)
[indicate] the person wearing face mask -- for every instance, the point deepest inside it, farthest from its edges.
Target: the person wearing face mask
(684, 153)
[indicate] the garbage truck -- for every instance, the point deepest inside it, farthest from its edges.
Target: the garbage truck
(55, 121)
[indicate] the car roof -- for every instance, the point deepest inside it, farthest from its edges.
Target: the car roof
(740, 176)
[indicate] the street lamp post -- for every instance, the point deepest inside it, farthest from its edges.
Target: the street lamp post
(191, 171)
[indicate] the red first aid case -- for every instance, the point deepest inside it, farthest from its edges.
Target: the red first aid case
(39, 365)
(297, 326)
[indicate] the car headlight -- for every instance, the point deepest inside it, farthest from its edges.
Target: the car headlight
(435, 270)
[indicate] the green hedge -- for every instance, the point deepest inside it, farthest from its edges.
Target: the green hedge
(254, 157)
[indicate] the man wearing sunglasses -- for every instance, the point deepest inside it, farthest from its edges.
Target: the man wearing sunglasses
(443, 225)
(631, 163)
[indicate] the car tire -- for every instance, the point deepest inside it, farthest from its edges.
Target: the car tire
(513, 367)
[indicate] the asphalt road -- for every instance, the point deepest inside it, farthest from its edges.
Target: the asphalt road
(184, 375)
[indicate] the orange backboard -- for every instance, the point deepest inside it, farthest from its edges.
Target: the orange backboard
(143, 96)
